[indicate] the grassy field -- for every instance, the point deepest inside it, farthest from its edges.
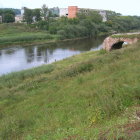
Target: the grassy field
(91, 96)
(22, 34)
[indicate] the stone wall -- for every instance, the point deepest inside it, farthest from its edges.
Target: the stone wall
(109, 42)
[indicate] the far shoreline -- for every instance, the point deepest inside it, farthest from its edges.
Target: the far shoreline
(39, 42)
(45, 42)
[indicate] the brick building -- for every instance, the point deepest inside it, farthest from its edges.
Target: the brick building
(72, 11)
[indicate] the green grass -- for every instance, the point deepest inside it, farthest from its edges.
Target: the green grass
(83, 97)
(131, 36)
(22, 34)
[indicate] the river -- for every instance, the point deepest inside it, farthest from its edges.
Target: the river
(17, 58)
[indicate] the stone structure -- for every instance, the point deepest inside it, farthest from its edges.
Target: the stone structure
(111, 43)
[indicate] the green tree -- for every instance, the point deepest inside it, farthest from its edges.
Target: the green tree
(28, 16)
(90, 26)
(45, 12)
(8, 16)
(81, 14)
(37, 14)
(111, 15)
(1, 12)
(91, 15)
(43, 25)
(94, 16)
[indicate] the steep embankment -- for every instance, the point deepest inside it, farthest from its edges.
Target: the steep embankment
(95, 95)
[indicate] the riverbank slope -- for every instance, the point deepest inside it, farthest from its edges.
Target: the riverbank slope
(94, 95)
(22, 34)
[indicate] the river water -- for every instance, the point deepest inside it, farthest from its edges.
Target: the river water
(17, 58)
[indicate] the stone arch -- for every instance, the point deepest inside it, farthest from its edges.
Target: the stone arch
(117, 45)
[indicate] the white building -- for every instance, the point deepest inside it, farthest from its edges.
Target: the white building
(63, 12)
(103, 14)
(18, 19)
(22, 11)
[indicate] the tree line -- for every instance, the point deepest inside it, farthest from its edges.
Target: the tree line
(88, 24)
(36, 15)
(85, 25)
(8, 15)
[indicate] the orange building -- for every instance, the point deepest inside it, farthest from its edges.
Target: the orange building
(72, 11)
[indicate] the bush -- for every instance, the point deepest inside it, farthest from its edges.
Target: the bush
(72, 31)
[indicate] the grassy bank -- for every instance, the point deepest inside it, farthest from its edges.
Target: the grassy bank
(131, 36)
(94, 95)
(22, 34)
(15, 34)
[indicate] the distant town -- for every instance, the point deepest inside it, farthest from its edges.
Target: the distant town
(70, 12)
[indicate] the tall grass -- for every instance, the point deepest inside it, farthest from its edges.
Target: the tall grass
(20, 33)
(25, 38)
(76, 98)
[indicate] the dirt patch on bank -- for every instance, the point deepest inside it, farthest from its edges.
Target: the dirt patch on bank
(127, 131)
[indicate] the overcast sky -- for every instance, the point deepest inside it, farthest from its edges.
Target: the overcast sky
(125, 7)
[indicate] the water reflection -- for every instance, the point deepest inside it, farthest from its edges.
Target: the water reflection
(19, 58)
